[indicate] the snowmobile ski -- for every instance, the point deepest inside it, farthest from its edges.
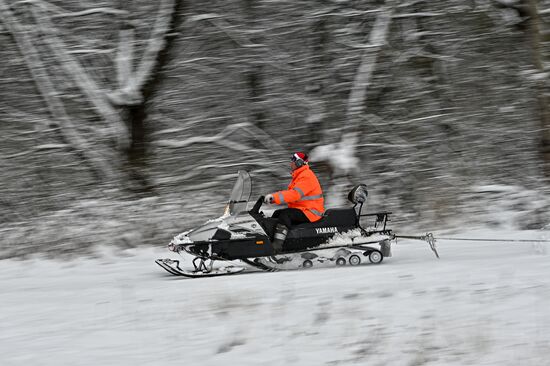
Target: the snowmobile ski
(172, 266)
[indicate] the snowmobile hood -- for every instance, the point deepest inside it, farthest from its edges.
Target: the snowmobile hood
(207, 230)
(201, 233)
(242, 222)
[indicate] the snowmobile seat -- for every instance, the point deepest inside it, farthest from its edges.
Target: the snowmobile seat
(337, 217)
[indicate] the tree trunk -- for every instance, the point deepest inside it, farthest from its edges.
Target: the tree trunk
(254, 82)
(140, 86)
(542, 84)
(254, 75)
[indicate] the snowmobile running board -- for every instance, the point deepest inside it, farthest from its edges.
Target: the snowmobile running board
(428, 238)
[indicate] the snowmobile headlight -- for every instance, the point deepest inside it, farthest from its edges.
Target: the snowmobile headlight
(171, 247)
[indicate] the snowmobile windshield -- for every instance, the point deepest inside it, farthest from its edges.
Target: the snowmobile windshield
(240, 194)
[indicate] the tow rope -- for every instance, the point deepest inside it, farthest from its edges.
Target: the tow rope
(429, 238)
(500, 240)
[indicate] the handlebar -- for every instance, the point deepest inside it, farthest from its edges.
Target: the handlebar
(257, 205)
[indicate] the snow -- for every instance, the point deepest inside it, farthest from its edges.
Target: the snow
(480, 304)
(343, 238)
(351, 236)
(182, 238)
(340, 155)
(221, 218)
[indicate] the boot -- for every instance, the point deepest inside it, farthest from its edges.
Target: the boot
(279, 238)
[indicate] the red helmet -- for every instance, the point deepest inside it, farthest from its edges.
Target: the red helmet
(300, 159)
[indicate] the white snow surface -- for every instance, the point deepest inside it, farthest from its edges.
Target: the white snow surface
(480, 304)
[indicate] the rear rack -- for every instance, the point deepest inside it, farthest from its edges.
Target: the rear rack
(380, 222)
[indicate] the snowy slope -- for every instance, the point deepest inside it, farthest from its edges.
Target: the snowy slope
(480, 304)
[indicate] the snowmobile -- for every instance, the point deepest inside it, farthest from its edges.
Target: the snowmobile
(342, 236)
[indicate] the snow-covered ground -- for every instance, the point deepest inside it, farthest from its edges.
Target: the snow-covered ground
(480, 304)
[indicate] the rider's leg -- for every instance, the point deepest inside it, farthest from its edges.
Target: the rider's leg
(286, 218)
(297, 216)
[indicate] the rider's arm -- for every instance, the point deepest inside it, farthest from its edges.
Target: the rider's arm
(291, 195)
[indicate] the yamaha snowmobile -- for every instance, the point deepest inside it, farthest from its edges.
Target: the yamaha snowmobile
(341, 237)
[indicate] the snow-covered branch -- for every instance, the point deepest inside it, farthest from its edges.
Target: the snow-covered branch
(59, 12)
(84, 51)
(417, 15)
(179, 144)
(109, 11)
(238, 37)
(221, 139)
(125, 57)
(217, 20)
(43, 4)
(199, 17)
(218, 138)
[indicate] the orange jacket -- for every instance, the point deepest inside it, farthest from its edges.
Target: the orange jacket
(304, 193)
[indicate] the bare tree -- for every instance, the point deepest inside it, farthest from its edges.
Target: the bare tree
(25, 38)
(341, 156)
(115, 107)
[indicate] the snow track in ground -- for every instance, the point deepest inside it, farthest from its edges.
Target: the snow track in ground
(480, 304)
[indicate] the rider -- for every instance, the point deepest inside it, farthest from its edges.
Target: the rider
(304, 198)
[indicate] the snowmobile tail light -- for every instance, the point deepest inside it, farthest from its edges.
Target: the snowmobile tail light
(260, 242)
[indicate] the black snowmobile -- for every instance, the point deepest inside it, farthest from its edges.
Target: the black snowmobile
(340, 237)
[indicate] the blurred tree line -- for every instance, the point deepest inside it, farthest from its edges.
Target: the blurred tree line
(128, 119)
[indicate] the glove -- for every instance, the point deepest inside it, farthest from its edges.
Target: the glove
(268, 198)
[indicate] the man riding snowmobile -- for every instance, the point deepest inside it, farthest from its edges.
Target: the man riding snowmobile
(304, 198)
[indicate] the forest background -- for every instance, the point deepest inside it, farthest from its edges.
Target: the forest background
(125, 122)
